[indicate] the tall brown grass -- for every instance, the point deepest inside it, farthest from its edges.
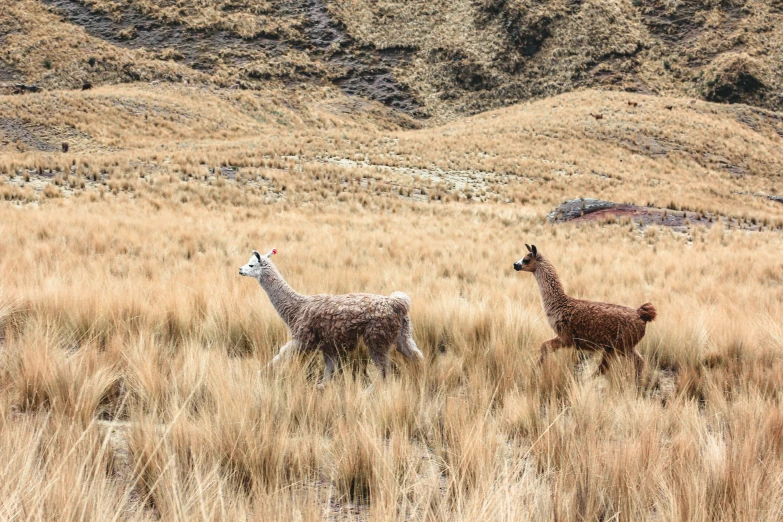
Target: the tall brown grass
(131, 349)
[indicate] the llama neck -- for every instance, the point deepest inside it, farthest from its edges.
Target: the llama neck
(285, 299)
(553, 295)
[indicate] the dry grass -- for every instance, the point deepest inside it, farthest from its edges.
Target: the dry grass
(473, 56)
(697, 156)
(40, 47)
(44, 50)
(458, 57)
(130, 347)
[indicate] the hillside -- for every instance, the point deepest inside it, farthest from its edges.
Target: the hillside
(130, 348)
(645, 150)
(432, 60)
(147, 147)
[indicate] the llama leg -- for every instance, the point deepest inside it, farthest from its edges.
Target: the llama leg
(379, 345)
(289, 349)
(606, 359)
(550, 346)
(634, 355)
(330, 360)
(638, 362)
(381, 360)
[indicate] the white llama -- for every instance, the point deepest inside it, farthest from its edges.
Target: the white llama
(334, 324)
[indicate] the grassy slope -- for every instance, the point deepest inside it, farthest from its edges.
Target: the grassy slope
(474, 55)
(129, 346)
(42, 49)
(696, 155)
(458, 57)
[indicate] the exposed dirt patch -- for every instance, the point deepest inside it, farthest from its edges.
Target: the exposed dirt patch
(362, 70)
(38, 137)
(673, 24)
(7, 73)
(587, 209)
(777, 199)
(14, 130)
(18, 88)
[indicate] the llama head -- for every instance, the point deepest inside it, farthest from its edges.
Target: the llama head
(529, 262)
(258, 264)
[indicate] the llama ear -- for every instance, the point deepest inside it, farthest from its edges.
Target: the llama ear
(535, 252)
(271, 253)
(528, 247)
(258, 256)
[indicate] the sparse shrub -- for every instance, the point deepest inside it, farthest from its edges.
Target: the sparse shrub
(51, 191)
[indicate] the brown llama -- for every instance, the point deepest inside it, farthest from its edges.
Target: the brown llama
(586, 325)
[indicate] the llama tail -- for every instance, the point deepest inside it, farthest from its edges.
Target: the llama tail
(647, 312)
(400, 302)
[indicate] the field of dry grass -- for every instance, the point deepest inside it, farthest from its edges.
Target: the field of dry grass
(130, 347)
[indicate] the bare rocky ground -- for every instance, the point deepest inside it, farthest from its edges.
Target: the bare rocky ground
(465, 184)
(583, 210)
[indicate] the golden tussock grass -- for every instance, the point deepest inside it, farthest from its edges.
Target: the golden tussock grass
(131, 350)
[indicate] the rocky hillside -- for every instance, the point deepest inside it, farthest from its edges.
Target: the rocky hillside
(431, 59)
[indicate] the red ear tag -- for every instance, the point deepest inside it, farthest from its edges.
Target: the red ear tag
(274, 251)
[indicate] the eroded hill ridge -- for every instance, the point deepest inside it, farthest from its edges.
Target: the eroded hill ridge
(432, 60)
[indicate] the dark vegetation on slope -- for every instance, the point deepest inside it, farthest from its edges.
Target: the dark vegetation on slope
(433, 59)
